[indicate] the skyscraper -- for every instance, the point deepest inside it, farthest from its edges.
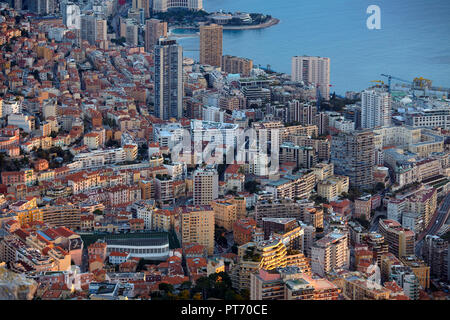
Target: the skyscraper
(353, 155)
(211, 45)
(168, 79)
(154, 29)
(88, 27)
(42, 6)
(93, 28)
(101, 32)
(312, 70)
(375, 108)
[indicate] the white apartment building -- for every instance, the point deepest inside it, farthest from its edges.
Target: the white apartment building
(10, 107)
(312, 70)
(375, 108)
(345, 125)
(71, 15)
(145, 213)
(99, 158)
(168, 135)
(177, 171)
(258, 164)
(218, 132)
(214, 114)
(118, 257)
(22, 121)
(432, 114)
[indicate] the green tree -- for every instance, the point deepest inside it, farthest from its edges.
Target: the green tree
(251, 186)
(245, 293)
(230, 295)
(184, 295)
(363, 222)
(197, 296)
(98, 212)
(166, 287)
(186, 285)
(379, 186)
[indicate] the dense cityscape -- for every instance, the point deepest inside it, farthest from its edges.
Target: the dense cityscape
(131, 172)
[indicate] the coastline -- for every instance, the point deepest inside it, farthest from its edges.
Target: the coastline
(271, 22)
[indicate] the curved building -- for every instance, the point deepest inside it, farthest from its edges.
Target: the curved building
(164, 5)
(145, 248)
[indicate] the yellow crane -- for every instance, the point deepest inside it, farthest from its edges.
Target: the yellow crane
(379, 84)
(422, 83)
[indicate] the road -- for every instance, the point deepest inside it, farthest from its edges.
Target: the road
(374, 221)
(436, 222)
(439, 218)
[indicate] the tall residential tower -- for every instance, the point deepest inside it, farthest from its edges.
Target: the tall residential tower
(211, 45)
(168, 79)
(312, 70)
(353, 155)
(154, 29)
(375, 109)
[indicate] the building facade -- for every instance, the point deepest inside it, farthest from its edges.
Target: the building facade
(168, 80)
(353, 155)
(211, 45)
(312, 70)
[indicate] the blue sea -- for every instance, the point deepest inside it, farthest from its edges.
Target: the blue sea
(414, 39)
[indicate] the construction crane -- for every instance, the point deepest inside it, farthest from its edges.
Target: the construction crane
(379, 83)
(395, 78)
(418, 83)
(422, 83)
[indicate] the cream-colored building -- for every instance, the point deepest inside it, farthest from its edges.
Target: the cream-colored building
(417, 140)
(92, 140)
(197, 225)
(154, 29)
(266, 255)
(323, 170)
(225, 213)
(329, 253)
(332, 187)
(293, 186)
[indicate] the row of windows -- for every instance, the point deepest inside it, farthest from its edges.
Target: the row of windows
(139, 251)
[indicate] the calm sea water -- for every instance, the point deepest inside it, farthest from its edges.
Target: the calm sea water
(414, 39)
